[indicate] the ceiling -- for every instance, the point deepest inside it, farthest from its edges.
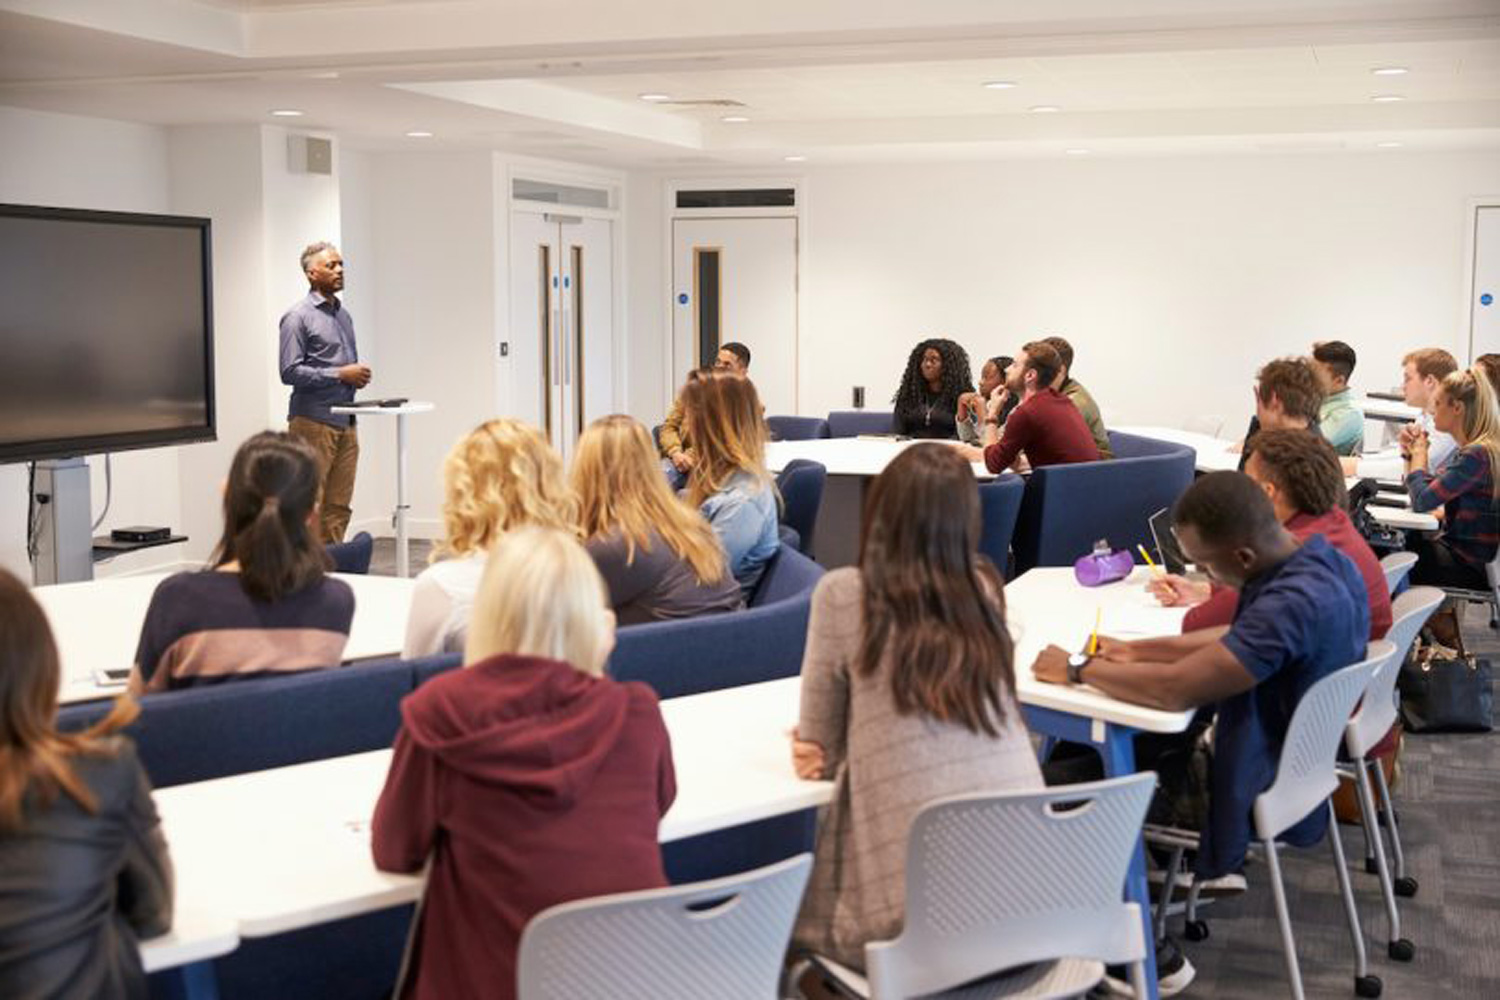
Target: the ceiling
(825, 80)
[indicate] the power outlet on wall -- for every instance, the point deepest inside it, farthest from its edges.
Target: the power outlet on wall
(859, 397)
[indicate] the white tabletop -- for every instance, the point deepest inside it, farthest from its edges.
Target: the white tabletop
(1392, 410)
(194, 937)
(1213, 454)
(856, 456)
(390, 411)
(97, 623)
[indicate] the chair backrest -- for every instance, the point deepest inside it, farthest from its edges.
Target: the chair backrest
(999, 506)
(1207, 423)
(428, 667)
(726, 938)
(996, 880)
(788, 574)
(801, 486)
(354, 555)
(1066, 508)
(1306, 774)
(1377, 711)
(797, 428)
(1396, 566)
(853, 423)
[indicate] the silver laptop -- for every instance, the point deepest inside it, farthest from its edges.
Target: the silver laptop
(1168, 554)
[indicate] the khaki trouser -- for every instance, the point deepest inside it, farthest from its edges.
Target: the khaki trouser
(338, 454)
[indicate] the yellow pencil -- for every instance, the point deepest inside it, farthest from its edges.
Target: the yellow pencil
(1149, 561)
(1094, 641)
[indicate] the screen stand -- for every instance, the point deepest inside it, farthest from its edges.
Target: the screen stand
(64, 542)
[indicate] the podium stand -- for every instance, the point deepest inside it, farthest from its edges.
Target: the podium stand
(403, 558)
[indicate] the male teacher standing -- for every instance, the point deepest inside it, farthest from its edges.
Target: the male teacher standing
(320, 361)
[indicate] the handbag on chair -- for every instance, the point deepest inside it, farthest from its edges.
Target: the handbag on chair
(1442, 693)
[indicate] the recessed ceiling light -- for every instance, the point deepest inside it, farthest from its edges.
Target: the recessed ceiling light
(286, 113)
(999, 84)
(419, 135)
(655, 98)
(1388, 145)
(1046, 109)
(794, 159)
(1387, 98)
(1389, 71)
(734, 119)
(1077, 152)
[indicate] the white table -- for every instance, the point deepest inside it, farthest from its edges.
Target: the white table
(195, 937)
(403, 559)
(97, 624)
(851, 464)
(1213, 454)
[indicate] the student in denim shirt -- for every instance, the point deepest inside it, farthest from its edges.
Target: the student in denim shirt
(729, 482)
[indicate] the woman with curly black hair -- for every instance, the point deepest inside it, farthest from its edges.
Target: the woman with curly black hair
(937, 373)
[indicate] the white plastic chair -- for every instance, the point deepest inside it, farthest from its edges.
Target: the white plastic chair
(1016, 893)
(1396, 566)
(1306, 777)
(722, 938)
(1363, 732)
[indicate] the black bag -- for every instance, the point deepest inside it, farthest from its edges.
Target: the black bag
(1446, 694)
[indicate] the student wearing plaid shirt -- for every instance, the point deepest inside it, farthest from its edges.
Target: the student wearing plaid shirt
(1464, 487)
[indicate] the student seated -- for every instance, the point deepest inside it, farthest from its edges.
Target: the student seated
(658, 556)
(1422, 375)
(267, 605)
(1466, 488)
(971, 405)
(501, 476)
(936, 377)
(1045, 429)
(84, 870)
(728, 481)
(1341, 422)
(1300, 473)
(675, 445)
(525, 779)
(1302, 614)
(1079, 396)
(1288, 396)
(908, 695)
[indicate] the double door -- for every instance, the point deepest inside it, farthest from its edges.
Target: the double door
(561, 294)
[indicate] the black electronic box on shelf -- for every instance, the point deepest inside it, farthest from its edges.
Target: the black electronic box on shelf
(140, 533)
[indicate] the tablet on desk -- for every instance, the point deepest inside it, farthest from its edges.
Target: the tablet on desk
(113, 677)
(1167, 549)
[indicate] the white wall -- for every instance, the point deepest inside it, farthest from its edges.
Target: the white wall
(68, 161)
(648, 322)
(1174, 278)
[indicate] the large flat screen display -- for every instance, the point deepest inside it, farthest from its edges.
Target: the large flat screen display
(106, 332)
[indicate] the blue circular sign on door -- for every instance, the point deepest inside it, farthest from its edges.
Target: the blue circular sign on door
(682, 299)
(1486, 299)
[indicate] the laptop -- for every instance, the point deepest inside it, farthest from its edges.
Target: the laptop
(1168, 554)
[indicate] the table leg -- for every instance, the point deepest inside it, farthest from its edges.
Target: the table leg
(194, 981)
(403, 559)
(1116, 746)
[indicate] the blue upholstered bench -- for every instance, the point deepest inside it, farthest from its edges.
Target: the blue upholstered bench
(853, 423)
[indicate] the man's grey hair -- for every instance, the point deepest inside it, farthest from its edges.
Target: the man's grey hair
(313, 249)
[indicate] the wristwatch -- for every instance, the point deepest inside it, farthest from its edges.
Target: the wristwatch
(1076, 663)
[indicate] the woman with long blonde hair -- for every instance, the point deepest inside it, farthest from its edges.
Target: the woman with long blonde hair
(728, 481)
(84, 870)
(658, 556)
(526, 779)
(1466, 486)
(501, 476)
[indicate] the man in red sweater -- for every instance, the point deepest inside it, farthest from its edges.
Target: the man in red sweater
(1300, 472)
(1046, 429)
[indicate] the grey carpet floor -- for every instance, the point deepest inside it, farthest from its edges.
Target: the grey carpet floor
(1448, 800)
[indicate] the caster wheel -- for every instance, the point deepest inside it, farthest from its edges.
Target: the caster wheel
(1367, 986)
(1196, 930)
(1371, 868)
(1406, 887)
(1402, 950)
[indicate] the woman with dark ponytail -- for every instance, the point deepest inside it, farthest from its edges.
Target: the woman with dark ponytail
(267, 605)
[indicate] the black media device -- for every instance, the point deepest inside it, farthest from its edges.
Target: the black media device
(140, 533)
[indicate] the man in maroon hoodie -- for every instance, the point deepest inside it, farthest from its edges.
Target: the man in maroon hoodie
(528, 781)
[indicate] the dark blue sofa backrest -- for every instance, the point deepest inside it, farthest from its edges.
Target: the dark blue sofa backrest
(999, 506)
(853, 423)
(797, 428)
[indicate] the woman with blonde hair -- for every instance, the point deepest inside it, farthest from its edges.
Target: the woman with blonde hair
(1466, 486)
(502, 476)
(84, 870)
(658, 556)
(506, 772)
(728, 481)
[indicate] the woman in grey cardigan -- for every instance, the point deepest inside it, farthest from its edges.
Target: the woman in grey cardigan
(908, 695)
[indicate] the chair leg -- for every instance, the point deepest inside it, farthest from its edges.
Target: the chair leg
(1396, 946)
(1405, 886)
(1365, 985)
(1138, 980)
(1283, 920)
(1168, 885)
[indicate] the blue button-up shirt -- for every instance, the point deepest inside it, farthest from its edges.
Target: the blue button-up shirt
(317, 338)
